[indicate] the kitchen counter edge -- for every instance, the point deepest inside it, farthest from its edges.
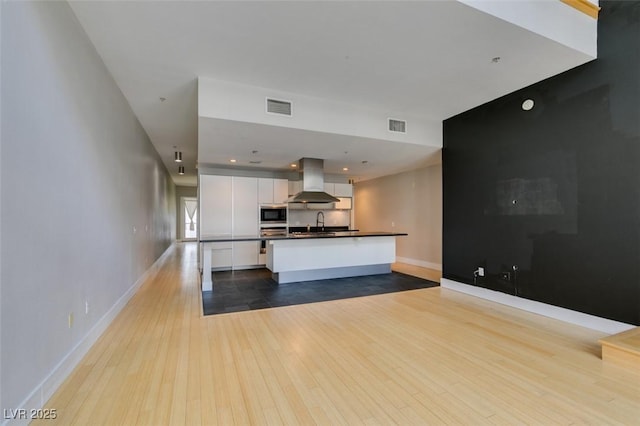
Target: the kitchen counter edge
(338, 234)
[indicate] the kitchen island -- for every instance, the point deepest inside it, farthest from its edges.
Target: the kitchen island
(317, 255)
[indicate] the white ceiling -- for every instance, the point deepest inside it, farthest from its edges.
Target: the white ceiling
(278, 147)
(431, 59)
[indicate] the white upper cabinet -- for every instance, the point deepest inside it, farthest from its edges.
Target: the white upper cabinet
(280, 191)
(215, 205)
(246, 253)
(265, 191)
(343, 190)
(339, 189)
(295, 186)
(273, 191)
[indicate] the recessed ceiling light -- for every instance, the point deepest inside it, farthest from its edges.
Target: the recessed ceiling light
(233, 160)
(528, 104)
(345, 169)
(294, 165)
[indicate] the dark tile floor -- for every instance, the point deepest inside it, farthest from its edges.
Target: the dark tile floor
(235, 291)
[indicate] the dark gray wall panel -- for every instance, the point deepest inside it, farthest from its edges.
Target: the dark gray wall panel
(554, 191)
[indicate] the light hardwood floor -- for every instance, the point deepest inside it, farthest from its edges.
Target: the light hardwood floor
(417, 271)
(430, 356)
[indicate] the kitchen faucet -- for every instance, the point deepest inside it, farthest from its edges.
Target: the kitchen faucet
(318, 220)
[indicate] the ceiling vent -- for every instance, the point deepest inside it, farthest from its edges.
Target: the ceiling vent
(397, 126)
(275, 106)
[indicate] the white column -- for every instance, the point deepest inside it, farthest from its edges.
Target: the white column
(207, 284)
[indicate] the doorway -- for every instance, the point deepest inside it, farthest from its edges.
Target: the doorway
(188, 218)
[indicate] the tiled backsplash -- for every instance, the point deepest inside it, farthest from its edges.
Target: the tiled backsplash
(308, 217)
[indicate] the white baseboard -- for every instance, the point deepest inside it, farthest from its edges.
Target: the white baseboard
(41, 394)
(422, 263)
(567, 315)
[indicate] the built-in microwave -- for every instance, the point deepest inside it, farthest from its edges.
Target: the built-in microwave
(270, 214)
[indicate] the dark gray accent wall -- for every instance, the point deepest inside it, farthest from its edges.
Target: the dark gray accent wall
(554, 191)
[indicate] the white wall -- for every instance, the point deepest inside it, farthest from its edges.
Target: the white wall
(78, 175)
(1, 4)
(552, 19)
(238, 102)
(408, 202)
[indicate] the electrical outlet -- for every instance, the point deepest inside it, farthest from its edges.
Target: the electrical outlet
(506, 276)
(70, 319)
(86, 307)
(393, 224)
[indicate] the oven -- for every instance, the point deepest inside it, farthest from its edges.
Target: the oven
(270, 231)
(273, 215)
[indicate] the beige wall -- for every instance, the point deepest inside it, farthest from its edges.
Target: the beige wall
(412, 201)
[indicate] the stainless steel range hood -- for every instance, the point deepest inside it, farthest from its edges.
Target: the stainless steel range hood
(312, 171)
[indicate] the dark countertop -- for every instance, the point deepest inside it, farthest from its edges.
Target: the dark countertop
(300, 236)
(297, 229)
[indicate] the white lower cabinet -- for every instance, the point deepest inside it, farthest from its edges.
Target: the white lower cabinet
(238, 255)
(245, 254)
(221, 256)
